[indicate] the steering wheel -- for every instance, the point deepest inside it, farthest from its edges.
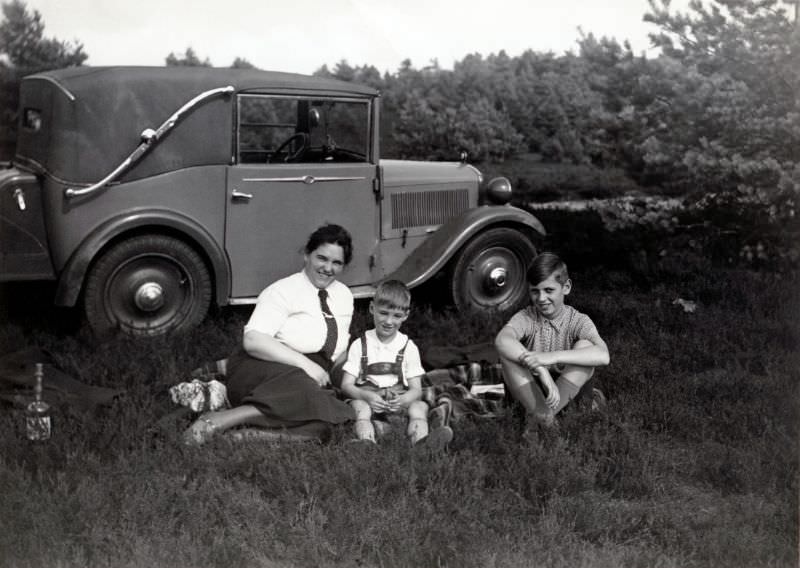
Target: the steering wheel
(300, 137)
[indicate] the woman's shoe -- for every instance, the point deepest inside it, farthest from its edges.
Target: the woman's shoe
(200, 432)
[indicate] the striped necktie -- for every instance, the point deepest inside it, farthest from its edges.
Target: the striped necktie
(330, 322)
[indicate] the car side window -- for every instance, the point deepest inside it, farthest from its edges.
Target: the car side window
(302, 130)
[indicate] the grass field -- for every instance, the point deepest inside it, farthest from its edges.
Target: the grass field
(693, 463)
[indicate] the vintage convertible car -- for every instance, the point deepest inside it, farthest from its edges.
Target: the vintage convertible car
(149, 193)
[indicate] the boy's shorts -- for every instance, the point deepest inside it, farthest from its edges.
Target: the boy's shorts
(387, 393)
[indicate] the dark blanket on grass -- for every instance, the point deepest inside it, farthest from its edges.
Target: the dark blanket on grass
(17, 381)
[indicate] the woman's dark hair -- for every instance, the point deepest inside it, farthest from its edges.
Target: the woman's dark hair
(333, 235)
(545, 265)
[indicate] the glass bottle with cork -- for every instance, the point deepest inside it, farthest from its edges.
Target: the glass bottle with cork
(37, 414)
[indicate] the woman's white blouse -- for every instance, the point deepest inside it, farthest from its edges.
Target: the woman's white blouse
(289, 310)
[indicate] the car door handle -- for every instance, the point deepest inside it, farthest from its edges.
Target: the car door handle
(236, 194)
(19, 195)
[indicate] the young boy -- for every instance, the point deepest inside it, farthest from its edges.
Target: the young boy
(549, 337)
(383, 372)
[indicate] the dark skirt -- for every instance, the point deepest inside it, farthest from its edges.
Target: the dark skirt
(285, 395)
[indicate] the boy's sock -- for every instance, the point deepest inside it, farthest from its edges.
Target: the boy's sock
(417, 429)
(523, 393)
(567, 391)
(365, 430)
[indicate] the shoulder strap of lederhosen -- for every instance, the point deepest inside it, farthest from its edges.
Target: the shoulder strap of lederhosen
(399, 364)
(362, 376)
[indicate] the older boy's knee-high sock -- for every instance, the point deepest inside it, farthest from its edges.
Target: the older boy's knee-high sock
(523, 393)
(567, 390)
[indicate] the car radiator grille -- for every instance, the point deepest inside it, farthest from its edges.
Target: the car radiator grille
(420, 208)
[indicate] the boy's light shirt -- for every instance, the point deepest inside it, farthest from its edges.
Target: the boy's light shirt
(379, 352)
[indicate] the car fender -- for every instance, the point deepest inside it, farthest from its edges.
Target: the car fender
(432, 255)
(74, 272)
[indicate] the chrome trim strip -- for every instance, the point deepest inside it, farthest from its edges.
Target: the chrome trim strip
(149, 138)
(242, 301)
(359, 292)
(308, 180)
(61, 87)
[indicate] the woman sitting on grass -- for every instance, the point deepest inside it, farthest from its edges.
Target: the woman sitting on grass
(298, 329)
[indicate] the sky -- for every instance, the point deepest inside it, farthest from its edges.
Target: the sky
(302, 35)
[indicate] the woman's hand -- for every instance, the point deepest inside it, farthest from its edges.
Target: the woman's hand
(317, 373)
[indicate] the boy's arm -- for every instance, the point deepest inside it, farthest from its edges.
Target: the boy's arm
(594, 355)
(413, 393)
(508, 345)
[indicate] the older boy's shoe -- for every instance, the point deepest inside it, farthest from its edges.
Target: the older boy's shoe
(537, 426)
(598, 399)
(437, 440)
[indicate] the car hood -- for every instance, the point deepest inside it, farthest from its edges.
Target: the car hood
(409, 173)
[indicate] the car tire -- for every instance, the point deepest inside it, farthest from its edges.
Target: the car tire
(489, 272)
(147, 285)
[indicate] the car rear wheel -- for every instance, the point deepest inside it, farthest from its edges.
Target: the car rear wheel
(489, 272)
(147, 285)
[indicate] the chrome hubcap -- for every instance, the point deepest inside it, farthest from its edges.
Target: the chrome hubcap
(149, 297)
(497, 278)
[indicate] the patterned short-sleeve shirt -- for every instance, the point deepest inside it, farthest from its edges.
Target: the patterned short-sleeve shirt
(537, 333)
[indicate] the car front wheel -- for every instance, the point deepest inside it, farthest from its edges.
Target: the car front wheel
(147, 285)
(489, 272)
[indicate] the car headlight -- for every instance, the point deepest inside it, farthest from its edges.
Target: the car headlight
(498, 190)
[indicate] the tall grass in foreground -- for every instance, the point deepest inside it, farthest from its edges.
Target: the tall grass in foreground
(693, 464)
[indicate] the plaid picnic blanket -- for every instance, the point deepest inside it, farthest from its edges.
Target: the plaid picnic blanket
(474, 390)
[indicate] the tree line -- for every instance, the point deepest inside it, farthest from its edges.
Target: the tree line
(715, 114)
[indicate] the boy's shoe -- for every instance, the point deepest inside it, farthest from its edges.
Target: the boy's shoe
(530, 433)
(437, 440)
(598, 399)
(361, 443)
(538, 426)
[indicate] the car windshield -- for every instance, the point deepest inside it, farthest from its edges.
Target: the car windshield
(275, 129)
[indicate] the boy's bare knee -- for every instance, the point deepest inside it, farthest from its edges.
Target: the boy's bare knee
(417, 410)
(576, 374)
(362, 409)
